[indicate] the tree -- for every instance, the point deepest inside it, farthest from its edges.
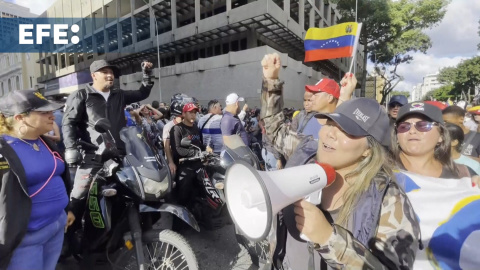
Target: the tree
(428, 95)
(402, 93)
(392, 29)
(463, 79)
(443, 93)
(391, 78)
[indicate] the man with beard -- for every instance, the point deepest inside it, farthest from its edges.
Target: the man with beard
(84, 107)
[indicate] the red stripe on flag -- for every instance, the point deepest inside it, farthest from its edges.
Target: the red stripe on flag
(323, 54)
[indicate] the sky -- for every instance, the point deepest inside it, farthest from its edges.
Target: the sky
(454, 40)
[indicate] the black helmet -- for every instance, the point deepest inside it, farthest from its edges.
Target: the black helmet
(177, 102)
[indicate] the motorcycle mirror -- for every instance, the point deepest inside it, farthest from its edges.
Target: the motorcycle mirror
(102, 125)
(185, 142)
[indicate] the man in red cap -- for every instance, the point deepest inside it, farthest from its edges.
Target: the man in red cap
(324, 100)
(186, 170)
(327, 95)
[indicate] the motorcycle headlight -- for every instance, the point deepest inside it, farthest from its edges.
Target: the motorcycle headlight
(153, 189)
(128, 177)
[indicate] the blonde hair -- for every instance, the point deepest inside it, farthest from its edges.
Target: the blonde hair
(6, 125)
(361, 178)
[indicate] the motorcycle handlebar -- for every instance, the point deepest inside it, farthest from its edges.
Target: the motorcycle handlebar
(200, 156)
(87, 146)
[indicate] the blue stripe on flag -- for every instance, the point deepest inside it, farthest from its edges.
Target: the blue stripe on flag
(331, 43)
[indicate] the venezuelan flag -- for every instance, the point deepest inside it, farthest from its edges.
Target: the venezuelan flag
(332, 42)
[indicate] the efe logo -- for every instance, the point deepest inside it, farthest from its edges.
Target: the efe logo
(43, 30)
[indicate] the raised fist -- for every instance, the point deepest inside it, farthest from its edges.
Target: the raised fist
(347, 86)
(147, 67)
(271, 66)
(147, 72)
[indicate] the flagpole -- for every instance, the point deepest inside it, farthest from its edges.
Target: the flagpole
(357, 38)
(355, 52)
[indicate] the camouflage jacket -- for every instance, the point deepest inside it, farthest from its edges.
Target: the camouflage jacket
(393, 234)
(282, 137)
(393, 244)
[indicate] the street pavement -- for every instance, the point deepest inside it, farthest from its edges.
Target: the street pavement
(215, 250)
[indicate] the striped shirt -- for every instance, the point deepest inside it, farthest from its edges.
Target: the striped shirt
(212, 134)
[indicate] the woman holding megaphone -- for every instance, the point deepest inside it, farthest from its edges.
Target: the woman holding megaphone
(364, 220)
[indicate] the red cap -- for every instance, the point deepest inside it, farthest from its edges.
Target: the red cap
(189, 107)
(438, 104)
(329, 171)
(325, 85)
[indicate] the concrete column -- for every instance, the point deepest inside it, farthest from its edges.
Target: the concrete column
(286, 7)
(153, 32)
(329, 15)
(197, 11)
(42, 71)
(301, 13)
(119, 26)
(251, 39)
(229, 5)
(173, 7)
(105, 34)
(311, 18)
(134, 23)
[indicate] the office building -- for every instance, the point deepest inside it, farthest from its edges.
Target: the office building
(17, 70)
(208, 48)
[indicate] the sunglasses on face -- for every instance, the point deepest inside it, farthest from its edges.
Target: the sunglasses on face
(422, 126)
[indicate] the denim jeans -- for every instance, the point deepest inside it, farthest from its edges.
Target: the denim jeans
(40, 249)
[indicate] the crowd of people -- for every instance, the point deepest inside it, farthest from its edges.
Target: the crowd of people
(364, 220)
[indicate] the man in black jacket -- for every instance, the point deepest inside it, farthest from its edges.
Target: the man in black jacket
(84, 107)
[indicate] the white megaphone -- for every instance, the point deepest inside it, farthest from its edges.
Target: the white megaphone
(255, 197)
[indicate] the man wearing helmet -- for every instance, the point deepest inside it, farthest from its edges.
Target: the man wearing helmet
(176, 107)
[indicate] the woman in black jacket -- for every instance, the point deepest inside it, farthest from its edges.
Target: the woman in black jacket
(34, 184)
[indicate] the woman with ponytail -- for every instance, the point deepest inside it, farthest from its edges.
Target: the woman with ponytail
(34, 184)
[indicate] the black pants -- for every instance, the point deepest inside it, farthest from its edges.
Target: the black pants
(83, 178)
(185, 177)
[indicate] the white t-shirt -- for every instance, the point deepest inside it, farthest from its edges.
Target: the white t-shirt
(166, 129)
(104, 94)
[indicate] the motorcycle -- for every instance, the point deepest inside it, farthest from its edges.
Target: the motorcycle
(209, 200)
(126, 200)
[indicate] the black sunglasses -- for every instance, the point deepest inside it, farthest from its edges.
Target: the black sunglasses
(422, 126)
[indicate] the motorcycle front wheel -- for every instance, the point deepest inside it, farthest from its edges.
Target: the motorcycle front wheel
(163, 250)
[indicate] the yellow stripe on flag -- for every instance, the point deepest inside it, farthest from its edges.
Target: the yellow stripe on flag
(339, 30)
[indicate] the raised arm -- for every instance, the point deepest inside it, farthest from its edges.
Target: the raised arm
(145, 88)
(282, 138)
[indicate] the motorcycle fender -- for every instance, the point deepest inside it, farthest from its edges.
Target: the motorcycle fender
(179, 211)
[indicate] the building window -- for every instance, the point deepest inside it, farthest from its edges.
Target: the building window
(31, 82)
(112, 38)
(126, 32)
(143, 28)
(9, 85)
(2, 89)
(17, 82)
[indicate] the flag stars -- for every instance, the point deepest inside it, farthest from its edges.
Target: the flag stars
(331, 41)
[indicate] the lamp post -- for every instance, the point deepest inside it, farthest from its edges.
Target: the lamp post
(158, 49)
